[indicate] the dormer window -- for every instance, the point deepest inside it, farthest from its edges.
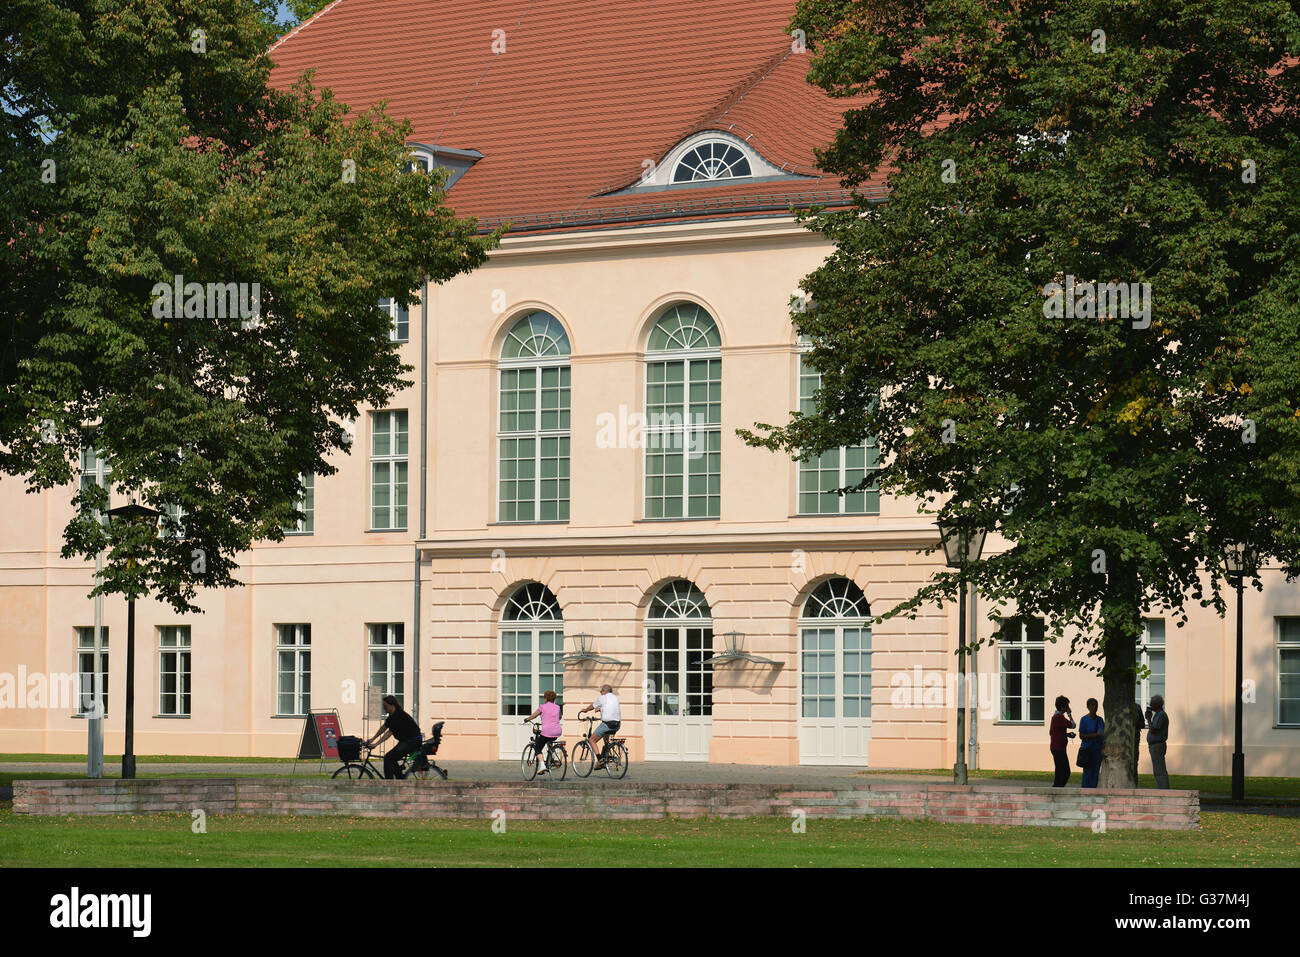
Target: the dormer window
(712, 160)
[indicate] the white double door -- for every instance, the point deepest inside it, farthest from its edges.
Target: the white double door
(678, 692)
(834, 694)
(530, 666)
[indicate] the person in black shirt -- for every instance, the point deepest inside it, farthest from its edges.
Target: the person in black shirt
(404, 731)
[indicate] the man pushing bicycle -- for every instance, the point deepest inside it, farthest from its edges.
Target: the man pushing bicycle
(610, 718)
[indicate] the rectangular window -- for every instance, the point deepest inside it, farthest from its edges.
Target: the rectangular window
(96, 470)
(305, 503)
(293, 669)
(388, 659)
(1020, 668)
(174, 670)
(400, 331)
(819, 477)
(1151, 658)
(533, 485)
(388, 450)
(683, 438)
(86, 669)
(1288, 671)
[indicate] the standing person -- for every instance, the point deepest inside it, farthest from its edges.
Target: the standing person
(403, 729)
(611, 717)
(1058, 732)
(1092, 734)
(549, 712)
(1139, 725)
(1158, 739)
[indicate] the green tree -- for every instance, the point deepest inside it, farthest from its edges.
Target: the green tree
(141, 143)
(1118, 447)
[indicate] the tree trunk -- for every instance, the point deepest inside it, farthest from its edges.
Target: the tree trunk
(1121, 629)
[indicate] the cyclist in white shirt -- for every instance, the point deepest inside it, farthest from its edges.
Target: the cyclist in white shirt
(610, 717)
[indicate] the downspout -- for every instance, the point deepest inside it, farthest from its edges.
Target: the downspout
(424, 472)
(974, 695)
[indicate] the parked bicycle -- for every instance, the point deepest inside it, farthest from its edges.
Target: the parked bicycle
(613, 754)
(557, 758)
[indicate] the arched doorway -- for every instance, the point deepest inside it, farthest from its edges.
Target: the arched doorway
(835, 675)
(679, 685)
(532, 643)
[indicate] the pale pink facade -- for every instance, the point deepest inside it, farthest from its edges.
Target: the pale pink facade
(755, 564)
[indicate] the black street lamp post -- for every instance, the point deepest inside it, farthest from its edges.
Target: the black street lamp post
(1239, 562)
(131, 513)
(962, 544)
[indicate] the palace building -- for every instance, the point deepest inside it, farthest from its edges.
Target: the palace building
(561, 499)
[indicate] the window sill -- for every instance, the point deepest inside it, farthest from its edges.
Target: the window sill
(289, 717)
(549, 521)
(87, 717)
(1021, 724)
(658, 521)
(383, 531)
(875, 514)
(182, 717)
(297, 534)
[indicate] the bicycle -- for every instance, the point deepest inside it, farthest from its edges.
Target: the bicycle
(414, 765)
(613, 754)
(557, 758)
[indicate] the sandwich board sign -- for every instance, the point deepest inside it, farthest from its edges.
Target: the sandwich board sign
(320, 736)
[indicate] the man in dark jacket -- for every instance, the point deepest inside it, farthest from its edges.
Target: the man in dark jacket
(1058, 730)
(403, 729)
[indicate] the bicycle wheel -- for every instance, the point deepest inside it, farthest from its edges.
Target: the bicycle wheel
(349, 771)
(528, 763)
(558, 762)
(616, 761)
(582, 758)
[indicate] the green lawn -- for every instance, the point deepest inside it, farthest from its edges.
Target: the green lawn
(1229, 840)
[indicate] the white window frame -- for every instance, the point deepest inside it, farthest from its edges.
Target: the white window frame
(1024, 645)
(399, 316)
(549, 623)
(392, 459)
(388, 639)
(86, 679)
(305, 503)
(811, 467)
(1148, 644)
(1279, 645)
(685, 432)
(182, 648)
(538, 434)
(101, 474)
(299, 646)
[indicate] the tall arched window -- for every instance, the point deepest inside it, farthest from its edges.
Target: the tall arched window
(679, 684)
(835, 675)
(820, 477)
(683, 433)
(533, 430)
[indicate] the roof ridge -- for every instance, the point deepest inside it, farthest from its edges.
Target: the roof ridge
(708, 119)
(311, 19)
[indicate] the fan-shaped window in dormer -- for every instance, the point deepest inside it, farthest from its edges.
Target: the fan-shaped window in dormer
(710, 161)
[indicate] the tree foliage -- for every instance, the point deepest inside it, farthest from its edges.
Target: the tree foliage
(1027, 143)
(141, 143)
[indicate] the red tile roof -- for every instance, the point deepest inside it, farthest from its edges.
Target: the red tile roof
(583, 94)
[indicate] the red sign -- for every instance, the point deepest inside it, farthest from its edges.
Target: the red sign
(327, 733)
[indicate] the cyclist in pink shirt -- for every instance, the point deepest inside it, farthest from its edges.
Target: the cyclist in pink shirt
(549, 712)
